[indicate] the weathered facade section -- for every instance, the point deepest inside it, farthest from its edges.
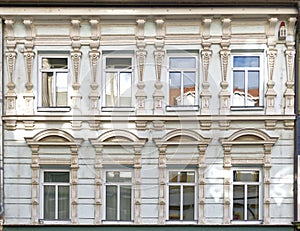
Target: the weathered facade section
(148, 116)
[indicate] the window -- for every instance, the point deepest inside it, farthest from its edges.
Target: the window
(247, 78)
(54, 72)
(181, 190)
(118, 196)
(182, 81)
(118, 81)
(56, 195)
(246, 195)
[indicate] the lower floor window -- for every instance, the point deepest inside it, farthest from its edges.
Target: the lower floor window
(246, 195)
(56, 195)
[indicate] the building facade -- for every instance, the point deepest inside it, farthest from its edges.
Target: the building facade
(141, 117)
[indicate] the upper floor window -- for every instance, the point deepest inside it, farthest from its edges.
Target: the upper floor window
(247, 80)
(182, 195)
(54, 72)
(118, 196)
(246, 195)
(182, 74)
(118, 82)
(55, 195)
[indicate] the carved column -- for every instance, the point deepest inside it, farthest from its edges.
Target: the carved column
(74, 184)
(35, 166)
(201, 183)
(137, 184)
(162, 185)
(141, 56)
(10, 95)
(227, 191)
(158, 95)
(224, 94)
(29, 56)
(76, 58)
(98, 184)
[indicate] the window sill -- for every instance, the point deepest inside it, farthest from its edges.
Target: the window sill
(182, 108)
(118, 109)
(51, 222)
(54, 109)
(181, 222)
(117, 222)
(241, 108)
(242, 222)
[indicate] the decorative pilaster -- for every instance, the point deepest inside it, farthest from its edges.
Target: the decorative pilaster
(224, 94)
(289, 93)
(10, 95)
(74, 184)
(162, 185)
(159, 53)
(141, 56)
(98, 184)
(137, 184)
(201, 183)
(267, 182)
(227, 191)
(35, 185)
(76, 58)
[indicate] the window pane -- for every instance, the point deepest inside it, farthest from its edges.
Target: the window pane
(175, 88)
(184, 176)
(174, 202)
(182, 62)
(238, 88)
(49, 202)
(125, 203)
(253, 202)
(188, 203)
(238, 202)
(47, 89)
(118, 63)
(246, 61)
(246, 176)
(111, 89)
(117, 176)
(63, 202)
(253, 88)
(61, 177)
(61, 89)
(111, 202)
(189, 79)
(125, 89)
(55, 63)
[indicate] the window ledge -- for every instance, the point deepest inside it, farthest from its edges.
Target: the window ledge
(258, 222)
(182, 108)
(181, 222)
(119, 109)
(117, 222)
(51, 222)
(54, 109)
(240, 108)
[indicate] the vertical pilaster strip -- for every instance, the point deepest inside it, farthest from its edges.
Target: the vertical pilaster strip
(201, 184)
(98, 184)
(137, 184)
(35, 166)
(74, 184)
(162, 185)
(267, 182)
(227, 182)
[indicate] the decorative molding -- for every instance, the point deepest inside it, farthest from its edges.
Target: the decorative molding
(271, 93)
(289, 94)
(205, 94)
(94, 95)
(10, 95)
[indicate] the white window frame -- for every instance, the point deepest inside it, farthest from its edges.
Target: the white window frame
(118, 205)
(262, 74)
(181, 184)
(187, 54)
(41, 70)
(105, 107)
(261, 196)
(42, 184)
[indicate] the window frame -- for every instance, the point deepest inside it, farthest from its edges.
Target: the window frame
(105, 70)
(181, 184)
(119, 184)
(244, 183)
(55, 70)
(262, 75)
(56, 184)
(186, 54)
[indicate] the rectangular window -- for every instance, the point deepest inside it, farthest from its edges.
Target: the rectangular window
(118, 196)
(54, 72)
(247, 78)
(246, 195)
(181, 190)
(56, 195)
(182, 73)
(118, 81)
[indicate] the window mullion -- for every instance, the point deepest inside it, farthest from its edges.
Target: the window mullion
(182, 87)
(118, 202)
(181, 202)
(245, 202)
(56, 202)
(54, 83)
(118, 87)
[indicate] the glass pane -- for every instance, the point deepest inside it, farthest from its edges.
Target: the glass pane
(174, 202)
(246, 61)
(175, 88)
(125, 89)
(47, 89)
(117, 176)
(61, 89)
(238, 88)
(188, 203)
(125, 203)
(49, 202)
(61, 177)
(63, 202)
(111, 202)
(184, 176)
(182, 62)
(118, 63)
(111, 89)
(55, 63)
(246, 176)
(253, 202)
(189, 79)
(253, 88)
(238, 202)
